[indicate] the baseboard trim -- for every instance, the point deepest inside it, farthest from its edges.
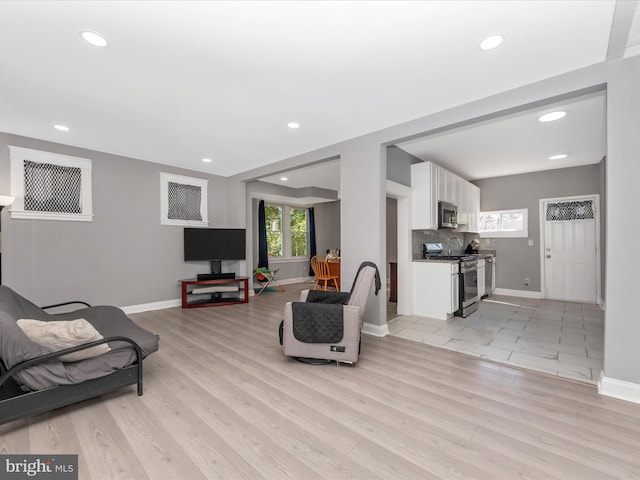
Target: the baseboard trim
(287, 281)
(375, 330)
(517, 293)
(619, 389)
(146, 307)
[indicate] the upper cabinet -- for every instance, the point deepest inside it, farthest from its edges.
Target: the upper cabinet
(430, 184)
(448, 186)
(472, 207)
(424, 196)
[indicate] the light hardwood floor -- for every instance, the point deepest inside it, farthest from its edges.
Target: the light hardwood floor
(221, 401)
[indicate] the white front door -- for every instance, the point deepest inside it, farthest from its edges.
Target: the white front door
(570, 250)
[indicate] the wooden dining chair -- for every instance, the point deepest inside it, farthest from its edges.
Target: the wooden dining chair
(323, 275)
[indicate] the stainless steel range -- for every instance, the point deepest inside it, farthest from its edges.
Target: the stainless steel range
(468, 276)
(469, 298)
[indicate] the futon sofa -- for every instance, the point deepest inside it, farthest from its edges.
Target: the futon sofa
(36, 377)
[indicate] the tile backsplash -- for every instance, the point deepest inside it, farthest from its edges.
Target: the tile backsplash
(419, 237)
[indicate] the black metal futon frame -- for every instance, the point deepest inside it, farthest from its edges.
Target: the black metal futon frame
(16, 403)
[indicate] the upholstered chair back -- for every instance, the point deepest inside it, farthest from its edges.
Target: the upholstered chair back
(361, 288)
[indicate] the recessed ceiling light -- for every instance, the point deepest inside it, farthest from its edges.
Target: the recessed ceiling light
(491, 42)
(94, 39)
(559, 157)
(62, 128)
(284, 179)
(552, 116)
(207, 160)
(293, 125)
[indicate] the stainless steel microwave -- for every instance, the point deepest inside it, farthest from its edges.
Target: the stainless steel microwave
(447, 215)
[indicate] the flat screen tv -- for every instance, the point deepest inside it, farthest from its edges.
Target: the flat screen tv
(214, 245)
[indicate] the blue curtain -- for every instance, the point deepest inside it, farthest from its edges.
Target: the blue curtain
(263, 258)
(312, 238)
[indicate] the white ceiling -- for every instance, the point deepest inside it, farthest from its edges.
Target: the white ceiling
(519, 143)
(181, 81)
(323, 175)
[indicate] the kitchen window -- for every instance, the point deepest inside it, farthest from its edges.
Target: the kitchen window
(504, 223)
(287, 235)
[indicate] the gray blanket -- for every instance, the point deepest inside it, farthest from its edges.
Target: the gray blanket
(15, 346)
(317, 323)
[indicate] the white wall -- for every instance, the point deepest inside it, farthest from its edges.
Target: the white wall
(363, 178)
(622, 327)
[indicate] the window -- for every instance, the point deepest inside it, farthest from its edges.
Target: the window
(273, 220)
(574, 210)
(183, 200)
(50, 186)
(286, 231)
(504, 223)
(298, 217)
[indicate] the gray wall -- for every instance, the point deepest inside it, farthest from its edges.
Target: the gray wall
(399, 165)
(124, 256)
(327, 217)
(398, 171)
(622, 328)
(392, 229)
(603, 224)
(515, 259)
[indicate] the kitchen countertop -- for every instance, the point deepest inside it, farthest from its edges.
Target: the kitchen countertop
(438, 260)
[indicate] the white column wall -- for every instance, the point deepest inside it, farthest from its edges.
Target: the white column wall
(622, 323)
(363, 218)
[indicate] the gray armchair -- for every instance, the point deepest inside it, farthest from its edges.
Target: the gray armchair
(325, 326)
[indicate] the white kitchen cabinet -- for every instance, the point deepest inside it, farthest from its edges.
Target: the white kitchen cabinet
(435, 289)
(463, 207)
(430, 184)
(469, 207)
(424, 196)
(481, 278)
(461, 191)
(448, 186)
(492, 287)
(473, 193)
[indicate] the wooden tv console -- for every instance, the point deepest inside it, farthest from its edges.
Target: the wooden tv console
(214, 293)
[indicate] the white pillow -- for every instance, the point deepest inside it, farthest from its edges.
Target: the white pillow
(58, 335)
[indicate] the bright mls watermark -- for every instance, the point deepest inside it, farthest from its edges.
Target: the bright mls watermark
(50, 467)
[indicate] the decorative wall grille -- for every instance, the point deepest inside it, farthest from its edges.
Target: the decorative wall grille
(577, 210)
(52, 188)
(184, 202)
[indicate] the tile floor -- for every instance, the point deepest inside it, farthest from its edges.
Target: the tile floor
(559, 338)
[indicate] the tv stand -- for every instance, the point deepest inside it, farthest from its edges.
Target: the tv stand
(216, 276)
(214, 293)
